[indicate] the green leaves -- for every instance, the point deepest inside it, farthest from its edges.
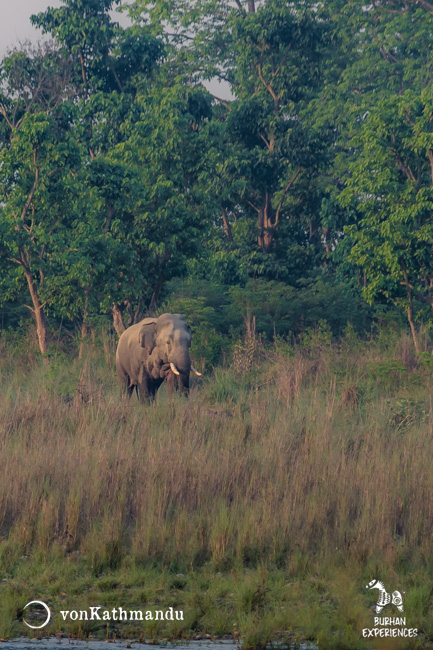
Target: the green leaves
(391, 185)
(120, 171)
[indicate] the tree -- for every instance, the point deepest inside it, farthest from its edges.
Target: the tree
(109, 64)
(39, 158)
(392, 185)
(37, 194)
(165, 145)
(270, 54)
(141, 197)
(86, 31)
(381, 105)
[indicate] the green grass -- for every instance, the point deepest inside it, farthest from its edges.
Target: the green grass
(261, 506)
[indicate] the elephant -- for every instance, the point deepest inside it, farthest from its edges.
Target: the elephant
(153, 350)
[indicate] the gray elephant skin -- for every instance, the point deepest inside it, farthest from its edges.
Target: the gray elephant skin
(154, 350)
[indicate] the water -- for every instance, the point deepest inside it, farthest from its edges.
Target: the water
(54, 643)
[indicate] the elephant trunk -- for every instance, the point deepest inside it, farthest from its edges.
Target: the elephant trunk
(181, 363)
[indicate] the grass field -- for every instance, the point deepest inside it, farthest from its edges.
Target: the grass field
(261, 506)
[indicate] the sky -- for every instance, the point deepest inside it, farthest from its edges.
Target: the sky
(15, 21)
(15, 26)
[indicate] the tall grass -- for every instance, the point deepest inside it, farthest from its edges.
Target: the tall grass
(314, 453)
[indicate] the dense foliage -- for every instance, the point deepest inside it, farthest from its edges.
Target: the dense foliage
(129, 186)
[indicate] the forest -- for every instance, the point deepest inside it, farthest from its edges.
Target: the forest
(129, 187)
(265, 169)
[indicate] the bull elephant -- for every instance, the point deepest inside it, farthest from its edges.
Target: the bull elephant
(153, 350)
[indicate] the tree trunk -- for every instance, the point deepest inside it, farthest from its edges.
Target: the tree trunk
(411, 323)
(266, 226)
(155, 296)
(83, 332)
(325, 236)
(410, 311)
(250, 323)
(130, 312)
(227, 226)
(268, 235)
(314, 236)
(138, 314)
(83, 328)
(38, 311)
(251, 7)
(118, 323)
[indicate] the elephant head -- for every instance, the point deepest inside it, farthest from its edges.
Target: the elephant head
(167, 341)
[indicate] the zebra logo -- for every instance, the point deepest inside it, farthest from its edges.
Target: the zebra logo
(384, 598)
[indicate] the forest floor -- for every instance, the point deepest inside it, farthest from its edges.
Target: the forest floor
(260, 507)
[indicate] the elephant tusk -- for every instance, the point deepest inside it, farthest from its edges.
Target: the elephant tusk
(196, 371)
(175, 370)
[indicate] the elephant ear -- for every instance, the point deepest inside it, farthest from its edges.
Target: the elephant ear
(147, 336)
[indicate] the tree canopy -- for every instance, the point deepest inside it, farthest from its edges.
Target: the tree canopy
(125, 175)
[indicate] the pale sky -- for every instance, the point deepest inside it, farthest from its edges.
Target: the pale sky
(15, 23)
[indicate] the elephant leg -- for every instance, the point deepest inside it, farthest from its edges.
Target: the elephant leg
(125, 381)
(145, 389)
(127, 388)
(155, 385)
(148, 388)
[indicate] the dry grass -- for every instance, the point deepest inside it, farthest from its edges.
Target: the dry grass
(299, 462)
(308, 455)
